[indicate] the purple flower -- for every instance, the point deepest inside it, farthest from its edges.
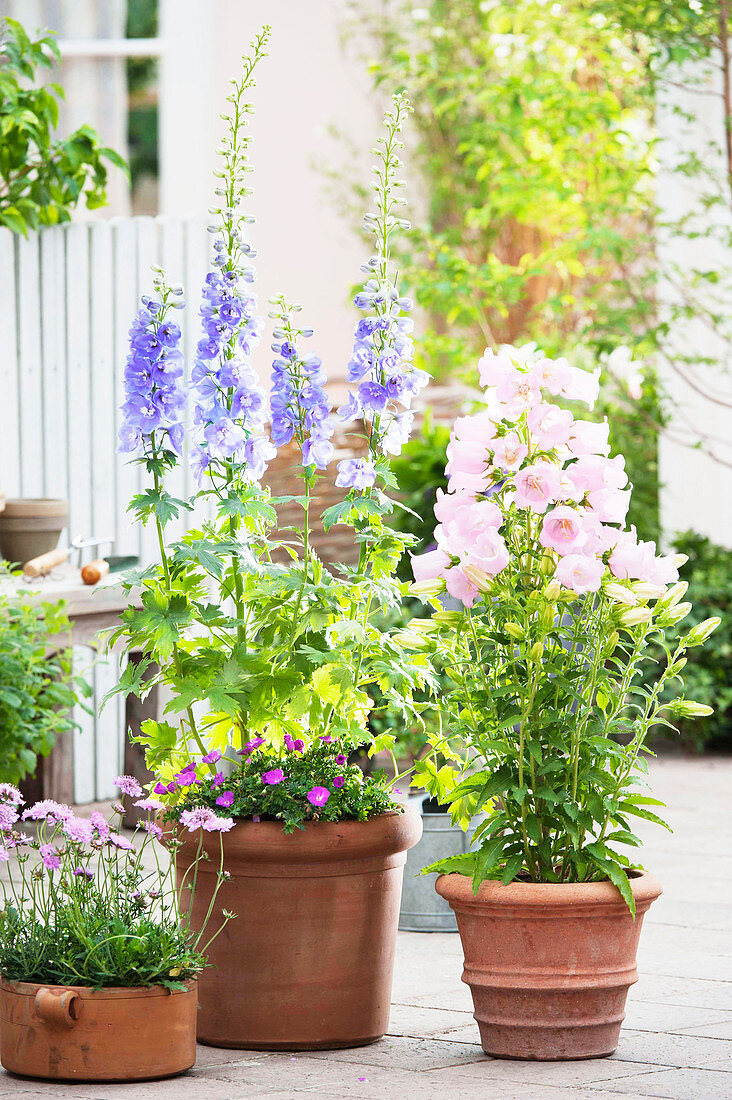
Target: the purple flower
(318, 796)
(225, 799)
(355, 473)
(212, 757)
(339, 781)
(273, 777)
(204, 818)
(340, 758)
(50, 857)
(256, 817)
(326, 737)
(10, 793)
(120, 842)
(83, 872)
(160, 788)
(218, 779)
(150, 804)
(79, 829)
(129, 785)
(4, 854)
(154, 830)
(8, 817)
(373, 396)
(250, 746)
(101, 825)
(48, 810)
(187, 776)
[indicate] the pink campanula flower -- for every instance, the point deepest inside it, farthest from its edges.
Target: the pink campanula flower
(50, 857)
(478, 428)
(468, 456)
(225, 799)
(582, 385)
(550, 425)
(519, 392)
(460, 587)
(552, 374)
(579, 573)
(128, 785)
(563, 530)
(318, 796)
(536, 486)
(493, 369)
(631, 559)
(430, 566)
(609, 505)
(509, 452)
(339, 781)
(273, 777)
(588, 438)
(488, 551)
(596, 472)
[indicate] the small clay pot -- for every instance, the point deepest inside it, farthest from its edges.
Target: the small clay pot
(29, 528)
(549, 965)
(307, 962)
(73, 1033)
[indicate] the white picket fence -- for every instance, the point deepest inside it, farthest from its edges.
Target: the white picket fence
(67, 297)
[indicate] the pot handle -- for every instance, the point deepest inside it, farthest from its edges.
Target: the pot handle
(61, 1009)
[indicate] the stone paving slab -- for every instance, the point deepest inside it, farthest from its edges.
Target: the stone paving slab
(677, 1042)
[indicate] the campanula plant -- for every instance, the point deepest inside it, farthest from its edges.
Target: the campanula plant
(560, 607)
(266, 651)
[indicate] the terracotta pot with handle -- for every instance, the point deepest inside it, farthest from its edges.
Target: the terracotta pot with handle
(73, 1033)
(549, 965)
(307, 962)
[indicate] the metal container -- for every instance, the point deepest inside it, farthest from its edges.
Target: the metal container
(422, 908)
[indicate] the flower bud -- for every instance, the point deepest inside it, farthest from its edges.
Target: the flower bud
(536, 652)
(611, 643)
(553, 590)
(546, 618)
(634, 616)
(478, 577)
(687, 708)
(546, 565)
(423, 626)
(646, 591)
(620, 594)
(673, 594)
(675, 615)
(448, 618)
(515, 630)
(699, 634)
(427, 588)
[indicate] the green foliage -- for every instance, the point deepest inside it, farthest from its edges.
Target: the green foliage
(358, 799)
(42, 178)
(37, 689)
(708, 573)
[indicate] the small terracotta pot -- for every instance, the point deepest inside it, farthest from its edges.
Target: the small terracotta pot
(307, 962)
(549, 965)
(73, 1033)
(30, 527)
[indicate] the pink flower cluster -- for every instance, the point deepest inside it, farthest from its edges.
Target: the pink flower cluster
(522, 458)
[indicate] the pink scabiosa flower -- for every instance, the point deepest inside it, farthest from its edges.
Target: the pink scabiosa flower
(79, 829)
(204, 818)
(509, 452)
(579, 573)
(128, 785)
(536, 486)
(152, 829)
(8, 817)
(318, 796)
(4, 854)
(225, 799)
(550, 425)
(588, 438)
(150, 804)
(50, 857)
(119, 841)
(273, 777)
(101, 825)
(563, 530)
(83, 872)
(48, 810)
(10, 793)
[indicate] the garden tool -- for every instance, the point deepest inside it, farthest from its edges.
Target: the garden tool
(44, 563)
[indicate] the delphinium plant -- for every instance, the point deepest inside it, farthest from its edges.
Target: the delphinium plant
(85, 905)
(268, 653)
(560, 608)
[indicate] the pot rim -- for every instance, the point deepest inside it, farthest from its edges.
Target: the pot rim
(458, 888)
(317, 842)
(118, 992)
(33, 506)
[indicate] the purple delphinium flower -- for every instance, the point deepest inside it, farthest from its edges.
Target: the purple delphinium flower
(273, 777)
(50, 857)
(128, 785)
(355, 473)
(300, 406)
(225, 799)
(318, 796)
(155, 399)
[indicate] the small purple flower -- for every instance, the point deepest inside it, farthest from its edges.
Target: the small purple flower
(79, 829)
(120, 842)
(273, 777)
(101, 825)
(373, 396)
(160, 788)
(326, 737)
(318, 796)
(152, 829)
(339, 781)
(187, 776)
(48, 810)
(83, 872)
(10, 793)
(250, 746)
(355, 473)
(340, 759)
(212, 757)
(128, 785)
(50, 857)
(218, 779)
(150, 804)
(8, 817)
(225, 799)
(256, 818)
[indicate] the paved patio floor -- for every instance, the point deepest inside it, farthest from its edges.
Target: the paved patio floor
(677, 1041)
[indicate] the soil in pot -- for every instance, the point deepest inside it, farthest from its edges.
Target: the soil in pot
(307, 963)
(73, 1033)
(30, 527)
(549, 965)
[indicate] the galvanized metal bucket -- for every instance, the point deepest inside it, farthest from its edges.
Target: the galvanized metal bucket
(422, 908)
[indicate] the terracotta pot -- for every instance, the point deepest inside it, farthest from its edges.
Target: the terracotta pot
(31, 527)
(73, 1033)
(307, 962)
(549, 966)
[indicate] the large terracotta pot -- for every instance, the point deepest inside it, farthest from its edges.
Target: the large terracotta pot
(549, 966)
(307, 962)
(73, 1033)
